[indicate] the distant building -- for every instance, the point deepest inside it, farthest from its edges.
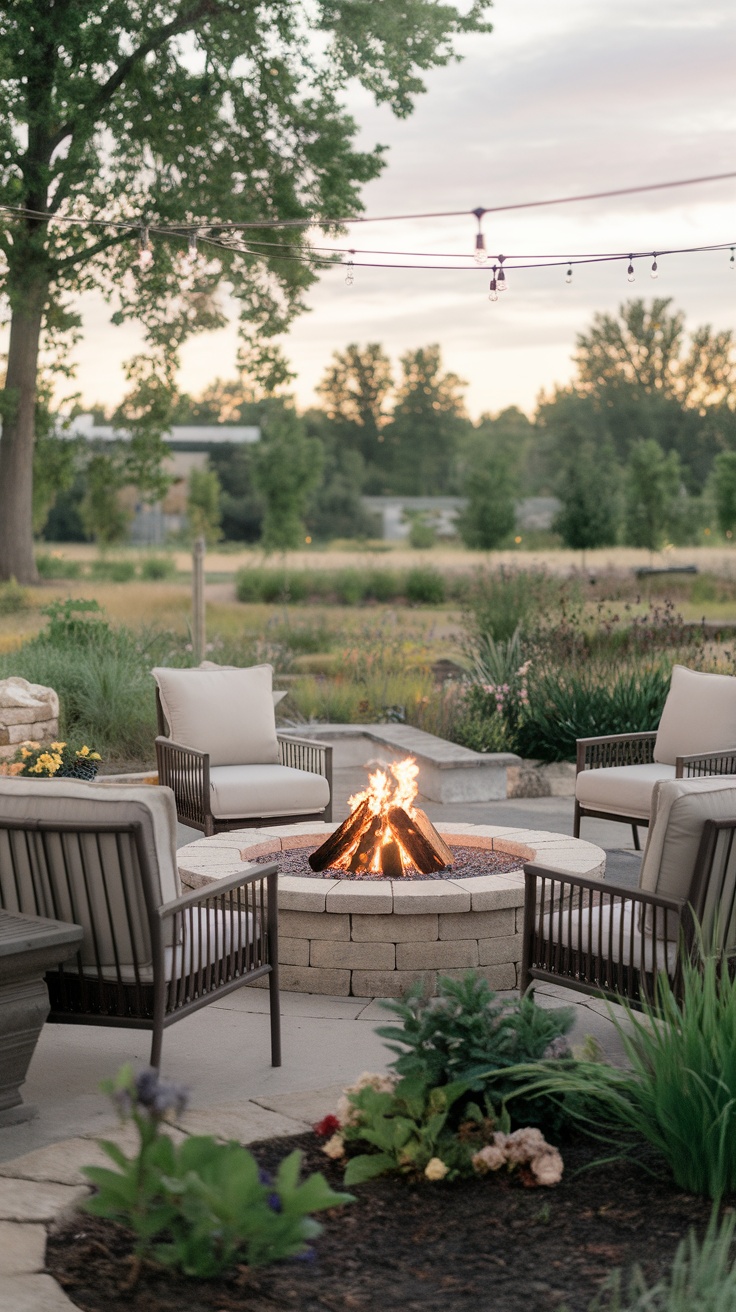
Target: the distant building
(152, 525)
(395, 513)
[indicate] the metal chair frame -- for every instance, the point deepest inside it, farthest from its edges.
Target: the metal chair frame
(245, 908)
(552, 897)
(638, 749)
(187, 773)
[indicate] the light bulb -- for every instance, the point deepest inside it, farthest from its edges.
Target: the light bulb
(630, 271)
(480, 248)
(654, 271)
(145, 254)
(493, 293)
(502, 283)
(568, 275)
(350, 272)
(192, 253)
(732, 261)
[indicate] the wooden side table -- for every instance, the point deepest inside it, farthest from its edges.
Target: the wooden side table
(29, 946)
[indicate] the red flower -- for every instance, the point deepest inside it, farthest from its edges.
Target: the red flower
(326, 1127)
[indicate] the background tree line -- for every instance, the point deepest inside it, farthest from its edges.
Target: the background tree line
(640, 448)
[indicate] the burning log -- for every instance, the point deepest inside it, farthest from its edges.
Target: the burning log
(362, 858)
(420, 840)
(425, 827)
(342, 839)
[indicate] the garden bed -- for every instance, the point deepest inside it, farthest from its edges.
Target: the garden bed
(471, 1246)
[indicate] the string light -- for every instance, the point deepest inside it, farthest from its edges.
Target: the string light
(630, 271)
(493, 293)
(145, 254)
(350, 274)
(192, 254)
(568, 275)
(654, 271)
(480, 241)
(732, 261)
(502, 284)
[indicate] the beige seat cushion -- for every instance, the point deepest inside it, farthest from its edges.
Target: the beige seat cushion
(600, 932)
(699, 715)
(212, 937)
(242, 791)
(621, 789)
(227, 713)
(88, 883)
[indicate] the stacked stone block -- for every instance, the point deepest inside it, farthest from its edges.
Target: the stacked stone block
(27, 711)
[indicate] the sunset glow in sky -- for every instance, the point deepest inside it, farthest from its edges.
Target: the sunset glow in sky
(559, 99)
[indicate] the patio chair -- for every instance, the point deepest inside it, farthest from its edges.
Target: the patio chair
(613, 940)
(696, 737)
(104, 857)
(218, 750)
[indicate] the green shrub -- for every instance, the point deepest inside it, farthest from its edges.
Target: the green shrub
(282, 586)
(13, 598)
(201, 1207)
(565, 705)
(425, 586)
(303, 639)
(156, 568)
(506, 601)
(422, 534)
(52, 565)
(114, 571)
(677, 1093)
(248, 585)
(350, 586)
(702, 1278)
(382, 585)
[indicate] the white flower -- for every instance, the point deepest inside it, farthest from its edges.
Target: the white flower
(335, 1147)
(490, 1158)
(524, 1144)
(436, 1169)
(547, 1168)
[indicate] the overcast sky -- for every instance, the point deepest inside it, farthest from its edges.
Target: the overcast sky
(561, 98)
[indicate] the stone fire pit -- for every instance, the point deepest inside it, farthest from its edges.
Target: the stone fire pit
(377, 937)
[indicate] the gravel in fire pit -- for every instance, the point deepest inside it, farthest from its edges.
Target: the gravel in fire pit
(469, 861)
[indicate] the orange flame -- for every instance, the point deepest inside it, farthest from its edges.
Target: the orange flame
(381, 794)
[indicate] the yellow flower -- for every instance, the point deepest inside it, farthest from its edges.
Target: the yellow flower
(83, 751)
(436, 1169)
(25, 753)
(335, 1147)
(58, 747)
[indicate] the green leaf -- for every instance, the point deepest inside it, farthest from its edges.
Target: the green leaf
(367, 1167)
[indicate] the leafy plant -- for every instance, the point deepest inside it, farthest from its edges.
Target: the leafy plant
(407, 1128)
(566, 704)
(116, 571)
(157, 568)
(467, 1030)
(425, 586)
(74, 620)
(52, 565)
(201, 1206)
(678, 1092)
(57, 761)
(13, 598)
(503, 601)
(702, 1278)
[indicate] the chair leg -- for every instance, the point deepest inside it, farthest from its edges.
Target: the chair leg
(635, 832)
(576, 820)
(156, 1045)
(275, 1009)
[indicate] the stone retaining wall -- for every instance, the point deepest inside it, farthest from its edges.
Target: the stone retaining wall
(27, 711)
(377, 938)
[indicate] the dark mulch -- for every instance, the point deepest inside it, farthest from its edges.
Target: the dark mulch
(468, 861)
(488, 1245)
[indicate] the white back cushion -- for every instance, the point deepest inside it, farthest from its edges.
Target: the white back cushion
(699, 715)
(228, 713)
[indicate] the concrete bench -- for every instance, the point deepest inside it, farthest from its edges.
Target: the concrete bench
(447, 772)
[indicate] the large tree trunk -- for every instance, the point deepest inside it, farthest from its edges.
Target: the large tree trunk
(18, 419)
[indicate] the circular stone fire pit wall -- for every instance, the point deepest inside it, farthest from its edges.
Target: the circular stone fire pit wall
(376, 938)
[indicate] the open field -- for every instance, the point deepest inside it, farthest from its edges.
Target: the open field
(719, 560)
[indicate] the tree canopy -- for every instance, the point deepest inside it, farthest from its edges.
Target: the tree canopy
(199, 113)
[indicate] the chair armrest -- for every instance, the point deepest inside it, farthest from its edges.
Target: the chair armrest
(308, 754)
(616, 749)
(250, 874)
(706, 763)
(187, 773)
(532, 872)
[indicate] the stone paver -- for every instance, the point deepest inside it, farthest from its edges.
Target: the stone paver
(32, 1200)
(244, 1121)
(22, 1248)
(34, 1293)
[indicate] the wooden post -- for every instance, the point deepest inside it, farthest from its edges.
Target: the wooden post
(198, 620)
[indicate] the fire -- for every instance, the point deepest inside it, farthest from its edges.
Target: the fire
(385, 834)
